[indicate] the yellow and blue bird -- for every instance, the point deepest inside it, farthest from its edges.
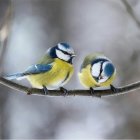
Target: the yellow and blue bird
(53, 71)
(97, 71)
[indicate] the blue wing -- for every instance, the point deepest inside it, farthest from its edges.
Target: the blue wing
(34, 69)
(38, 68)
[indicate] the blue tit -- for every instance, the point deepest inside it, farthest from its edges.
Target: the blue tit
(97, 71)
(53, 71)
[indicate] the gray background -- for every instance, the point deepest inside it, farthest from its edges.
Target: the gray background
(105, 26)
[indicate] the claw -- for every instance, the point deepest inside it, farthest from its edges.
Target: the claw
(65, 91)
(114, 89)
(93, 93)
(29, 92)
(45, 90)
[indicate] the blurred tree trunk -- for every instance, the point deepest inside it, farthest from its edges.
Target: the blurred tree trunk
(5, 21)
(5, 18)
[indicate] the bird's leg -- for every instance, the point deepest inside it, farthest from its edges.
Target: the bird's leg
(29, 92)
(93, 93)
(65, 91)
(114, 89)
(45, 90)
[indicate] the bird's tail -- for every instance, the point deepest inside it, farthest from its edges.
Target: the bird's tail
(17, 76)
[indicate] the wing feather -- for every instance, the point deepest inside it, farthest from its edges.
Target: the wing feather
(38, 68)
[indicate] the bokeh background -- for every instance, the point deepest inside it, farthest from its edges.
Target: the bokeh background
(111, 27)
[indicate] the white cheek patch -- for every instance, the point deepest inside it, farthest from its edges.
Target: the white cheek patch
(62, 56)
(95, 70)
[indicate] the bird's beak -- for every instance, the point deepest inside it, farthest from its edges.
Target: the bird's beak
(73, 55)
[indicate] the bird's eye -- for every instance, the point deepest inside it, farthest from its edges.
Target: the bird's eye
(60, 54)
(65, 48)
(65, 52)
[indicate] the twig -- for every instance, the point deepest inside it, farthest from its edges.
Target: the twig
(106, 92)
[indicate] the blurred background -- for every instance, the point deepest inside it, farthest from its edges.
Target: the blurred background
(30, 27)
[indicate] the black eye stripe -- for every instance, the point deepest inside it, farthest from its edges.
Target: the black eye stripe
(63, 51)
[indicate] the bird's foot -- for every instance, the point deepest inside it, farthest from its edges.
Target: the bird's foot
(29, 92)
(93, 93)
(114, 89)
(65, 91)
(45, 90)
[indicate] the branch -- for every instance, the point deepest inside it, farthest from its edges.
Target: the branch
(106, 92)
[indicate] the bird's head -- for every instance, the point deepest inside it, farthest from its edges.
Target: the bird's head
(102, 70)
(62, 51)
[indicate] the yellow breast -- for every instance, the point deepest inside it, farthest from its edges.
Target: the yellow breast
(88, 81)
(59, 75)
(86, 78)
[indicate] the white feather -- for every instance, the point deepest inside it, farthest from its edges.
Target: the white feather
(96, 69)
(103, 79)
(63, 48)
(21, 78)
(62, 56)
